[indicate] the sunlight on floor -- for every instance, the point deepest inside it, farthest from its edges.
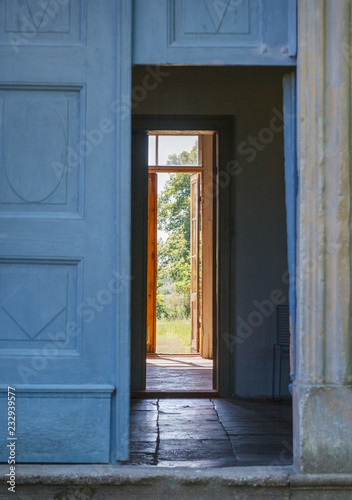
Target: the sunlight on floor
(179, 372)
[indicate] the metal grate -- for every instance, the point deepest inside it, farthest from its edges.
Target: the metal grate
(283, 325)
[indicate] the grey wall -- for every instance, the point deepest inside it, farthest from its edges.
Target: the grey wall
(252, 95)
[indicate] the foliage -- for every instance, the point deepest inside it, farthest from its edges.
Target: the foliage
(185, 158)
(174, 206)
(173, 299)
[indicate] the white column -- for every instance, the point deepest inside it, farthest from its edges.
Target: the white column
(323, 390)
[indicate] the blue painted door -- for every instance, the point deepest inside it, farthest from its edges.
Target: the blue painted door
(215, 32)
(64, 274)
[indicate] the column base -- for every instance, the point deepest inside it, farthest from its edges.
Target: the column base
(323, 428)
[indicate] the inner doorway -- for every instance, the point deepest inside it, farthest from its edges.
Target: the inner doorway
(179, 271)
(207, 312)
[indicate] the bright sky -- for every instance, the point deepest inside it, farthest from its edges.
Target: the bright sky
(168, 145)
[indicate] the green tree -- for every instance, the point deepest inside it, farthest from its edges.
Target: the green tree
(185, 158)
(173, 206)
(173, 298)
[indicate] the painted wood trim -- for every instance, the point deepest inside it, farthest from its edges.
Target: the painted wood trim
(291, 186)
(88, 390)
(120, 428)
(177, 170)
(152, 261)
(292, 28)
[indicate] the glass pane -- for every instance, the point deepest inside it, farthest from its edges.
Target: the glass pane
(178, 150)
(151, 150)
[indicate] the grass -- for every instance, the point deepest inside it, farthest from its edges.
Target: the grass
(173, 336)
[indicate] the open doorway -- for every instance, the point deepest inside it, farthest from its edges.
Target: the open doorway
(250, 259)
(207, 311)
(180, 261)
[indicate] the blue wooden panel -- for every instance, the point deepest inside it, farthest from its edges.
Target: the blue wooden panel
(251, 32)
(45, 123)
(17, 12)
(42, 23)
(291, 179)
(77, 436)
(214, 24)
(121, 399)
(292, 28)
(38, 307)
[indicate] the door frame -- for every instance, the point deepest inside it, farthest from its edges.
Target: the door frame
(224, 242)
(194, 267)
(152, 251)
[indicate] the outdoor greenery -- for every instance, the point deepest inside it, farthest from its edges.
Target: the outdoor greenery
(173, 336)
(173, 289)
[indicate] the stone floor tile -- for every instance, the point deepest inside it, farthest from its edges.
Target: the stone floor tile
(210, 433)
(245, 428)
(143, 436)
(272, 439)
(143, 446)
(141, 459)
(215, 436)
(186, 449)
(144, 403)
(179, 372)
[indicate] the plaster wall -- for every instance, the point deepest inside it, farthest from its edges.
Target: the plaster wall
(254, 97)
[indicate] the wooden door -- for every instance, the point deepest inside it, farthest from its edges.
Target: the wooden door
(152, 261)
(63, 289)
(195, 261)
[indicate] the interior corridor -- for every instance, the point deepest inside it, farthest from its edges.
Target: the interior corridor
(210, 432)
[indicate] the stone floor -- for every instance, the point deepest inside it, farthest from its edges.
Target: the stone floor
(179, 372)
(210, 432)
